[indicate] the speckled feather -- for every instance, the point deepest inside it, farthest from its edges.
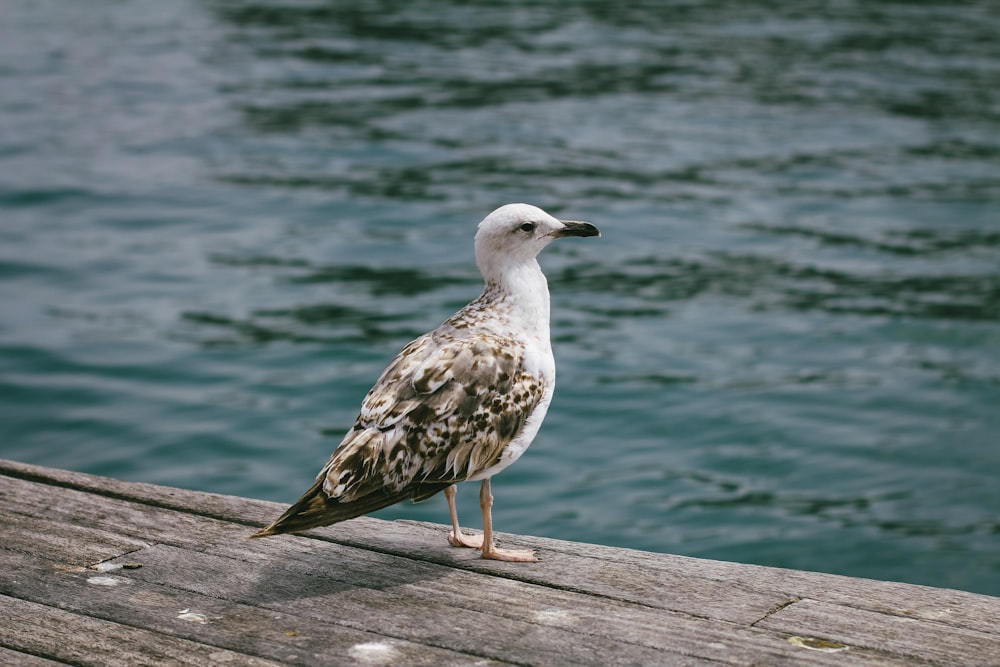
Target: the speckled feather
(443, 411)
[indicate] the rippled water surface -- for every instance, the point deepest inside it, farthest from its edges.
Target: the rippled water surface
(219, 221)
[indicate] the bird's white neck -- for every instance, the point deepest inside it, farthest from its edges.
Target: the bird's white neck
(522, 292)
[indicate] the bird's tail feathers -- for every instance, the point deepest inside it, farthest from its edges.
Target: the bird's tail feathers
(315, 509)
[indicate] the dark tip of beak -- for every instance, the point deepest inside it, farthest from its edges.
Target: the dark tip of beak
(576, 228)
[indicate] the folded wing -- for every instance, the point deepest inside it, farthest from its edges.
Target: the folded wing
(444, 410)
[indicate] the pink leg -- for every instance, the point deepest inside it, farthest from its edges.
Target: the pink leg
(489, 549)
(455, 537)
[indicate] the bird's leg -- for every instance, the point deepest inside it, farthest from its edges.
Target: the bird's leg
(489, 549)
(455, 537)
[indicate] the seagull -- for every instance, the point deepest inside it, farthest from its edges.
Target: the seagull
(461, 402)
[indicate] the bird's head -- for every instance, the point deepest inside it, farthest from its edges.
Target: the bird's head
(516, 233)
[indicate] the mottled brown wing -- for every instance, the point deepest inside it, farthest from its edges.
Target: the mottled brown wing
(443, 410)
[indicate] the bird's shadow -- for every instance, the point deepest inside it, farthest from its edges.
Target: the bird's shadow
(314, 569)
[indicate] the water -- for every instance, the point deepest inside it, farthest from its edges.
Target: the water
(220, 220)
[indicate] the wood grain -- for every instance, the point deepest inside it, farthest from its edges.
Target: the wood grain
(100, 571)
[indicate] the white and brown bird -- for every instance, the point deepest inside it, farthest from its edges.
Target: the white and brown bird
(460, 403)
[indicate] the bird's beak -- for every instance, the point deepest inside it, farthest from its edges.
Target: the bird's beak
(575, 228)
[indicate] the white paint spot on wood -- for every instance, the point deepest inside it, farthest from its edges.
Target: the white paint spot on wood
(374, 653)
(944, 612)
(824, 645)
(193, 616)
(107, 581)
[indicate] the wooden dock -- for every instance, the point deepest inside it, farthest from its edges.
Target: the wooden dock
(97, 571)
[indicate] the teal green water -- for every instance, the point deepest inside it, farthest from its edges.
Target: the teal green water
(219, 221)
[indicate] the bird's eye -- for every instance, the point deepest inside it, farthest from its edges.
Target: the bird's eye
(528, 227)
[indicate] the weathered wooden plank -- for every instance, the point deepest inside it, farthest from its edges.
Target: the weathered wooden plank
(956, 608)
(118, 596)
(951, 607)
(906, 637)
(673, 589)
(959, 609)
(662, 588)
(250, 512)
(685, 610)
(70, 543)
(364, 590)
(514, 620)
(51, 633)
(11, 657)
(312, 599)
